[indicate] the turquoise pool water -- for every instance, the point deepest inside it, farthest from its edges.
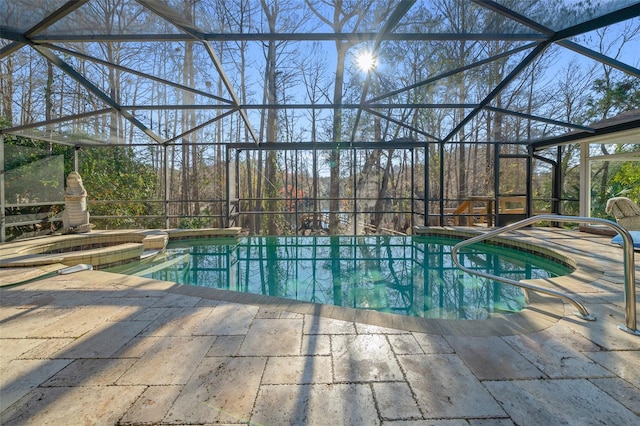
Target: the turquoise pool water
(412, 276)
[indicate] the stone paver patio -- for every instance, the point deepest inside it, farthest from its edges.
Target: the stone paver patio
(100, 348)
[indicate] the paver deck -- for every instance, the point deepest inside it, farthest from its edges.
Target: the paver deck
(100, 348)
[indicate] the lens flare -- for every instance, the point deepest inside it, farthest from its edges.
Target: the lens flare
(366, 61)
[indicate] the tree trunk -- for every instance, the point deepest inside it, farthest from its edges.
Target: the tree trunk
(6, 88)
(271, 190)
(383, 193)
(336, 130)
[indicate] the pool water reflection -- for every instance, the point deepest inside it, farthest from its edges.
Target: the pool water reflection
(412, 276)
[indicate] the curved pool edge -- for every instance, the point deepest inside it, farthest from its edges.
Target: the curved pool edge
(541, 313)
(503, 241)
(585, 270)
(537, 316)
(99, 248)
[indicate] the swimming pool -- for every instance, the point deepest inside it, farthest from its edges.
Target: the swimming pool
(413, 276)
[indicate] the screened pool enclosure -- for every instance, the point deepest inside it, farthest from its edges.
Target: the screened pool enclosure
(316, 117)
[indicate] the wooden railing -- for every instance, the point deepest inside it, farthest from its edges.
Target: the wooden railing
(478, 209)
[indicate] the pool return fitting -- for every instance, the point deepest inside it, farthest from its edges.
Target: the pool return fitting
(630, 325)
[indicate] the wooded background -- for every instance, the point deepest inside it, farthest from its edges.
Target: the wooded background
(124, 170)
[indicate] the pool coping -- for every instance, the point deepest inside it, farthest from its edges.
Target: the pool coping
(104, 249)
(540, 313)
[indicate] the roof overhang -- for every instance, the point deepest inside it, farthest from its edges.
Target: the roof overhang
(621, 129)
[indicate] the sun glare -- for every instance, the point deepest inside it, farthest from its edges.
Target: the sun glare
(366, 61)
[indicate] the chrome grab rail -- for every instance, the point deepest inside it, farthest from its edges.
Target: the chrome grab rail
(629, 266)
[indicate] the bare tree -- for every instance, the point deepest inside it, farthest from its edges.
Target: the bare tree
(345, 16)
(317, 88)
(6, 87)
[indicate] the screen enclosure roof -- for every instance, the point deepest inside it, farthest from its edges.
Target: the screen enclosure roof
(166, 71)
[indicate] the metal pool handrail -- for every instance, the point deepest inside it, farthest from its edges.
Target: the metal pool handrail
(629, 267)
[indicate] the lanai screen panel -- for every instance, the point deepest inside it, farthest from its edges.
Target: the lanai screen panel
(187, 80)
(446, 70)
